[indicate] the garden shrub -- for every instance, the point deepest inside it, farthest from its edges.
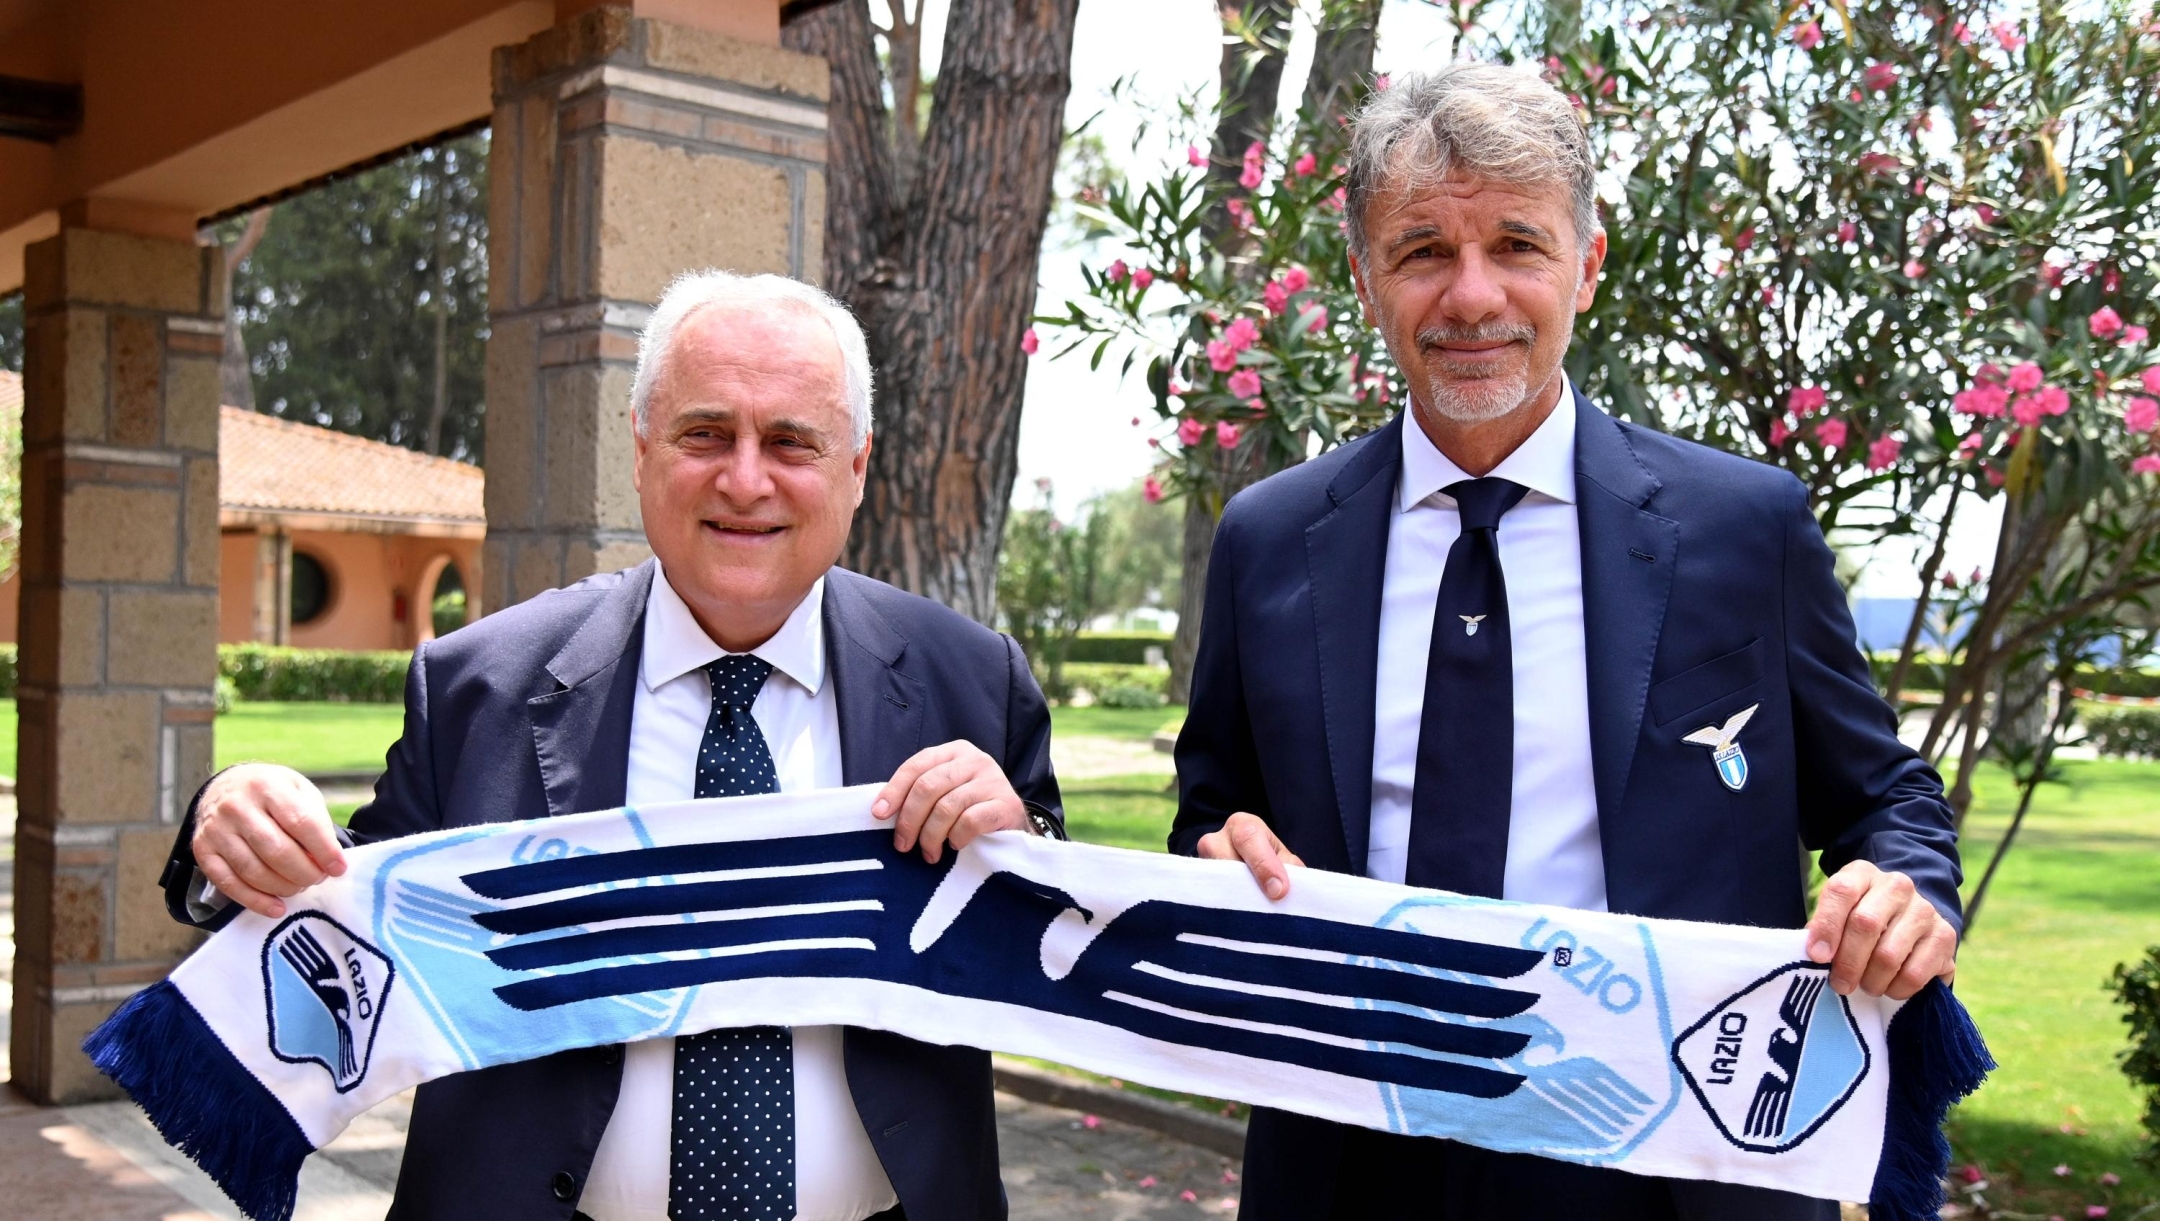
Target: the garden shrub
(1099, 678)
(1129, 697)
(2138, 988)
(7, 671)
(1116, 648)
(269, 672)
(2139, 684)
(2123, 733)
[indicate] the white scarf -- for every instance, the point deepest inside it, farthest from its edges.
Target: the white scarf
(1658, 1047)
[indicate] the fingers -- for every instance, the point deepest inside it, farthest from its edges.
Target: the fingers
(951, 794)
(263, 834)
(1839, 896)
(1907, 933)
(228, 883)
(1935, 957)
(1871, 918)
(1246, 838)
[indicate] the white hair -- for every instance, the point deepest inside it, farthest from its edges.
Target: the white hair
(694, 290)
(1507, 124)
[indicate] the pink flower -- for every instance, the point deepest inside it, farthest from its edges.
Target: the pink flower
(1305, 165)
(1780, 432)
(2096, 1210)
(1880, 77)
(2141, 414)
(1255, 169)
(1319, 320)
(1769, 294)
(1995, 476)
(1189, 431)
(1380, 83)
(1275, 296)
(1878, 163)
(1229, 1175)
(1147, 1182)
(1914, 269)
(1187, 1196)
(2026, 410)
(1744, 239)
(1340, 199)
(1987, 215)
(1245, 383)
(1090, 1121)
(2151, 378)
(1986, 399)
(1989, 373)
(2105, 323)
(1227, 434)
(2006, 33)
(1142, 277)
(1194, 157)
(1808, 35)
(1296, 279)
(1831, 433)
(1240, 213)
(2026, 377)
(1151, 490)
(2132, 336)
(1971, 444)
(1028, 342)
(1805, 400)
(1116, 272)
(2146, 464)
(2051, 274)
(1241, 334)
(2111, 1179)
(2111, 281)
(1847, 231)
(2054, 400)
(1961, 32)
(1221, 355)
(1882, 452)
(1229, 1204)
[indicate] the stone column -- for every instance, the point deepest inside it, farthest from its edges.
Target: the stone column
(273, 585)
(626, 150)
(119, 625)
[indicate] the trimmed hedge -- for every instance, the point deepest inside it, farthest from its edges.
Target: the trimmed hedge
(2123, 733)
(1116, 648)
(7, 671)
(1131, 682)
(267, 672)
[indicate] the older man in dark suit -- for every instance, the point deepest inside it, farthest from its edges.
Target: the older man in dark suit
(738, 660)
(1508, 646)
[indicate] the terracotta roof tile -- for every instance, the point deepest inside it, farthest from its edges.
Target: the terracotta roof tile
(268, 463)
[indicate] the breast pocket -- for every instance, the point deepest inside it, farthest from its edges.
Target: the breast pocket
(1697, 689)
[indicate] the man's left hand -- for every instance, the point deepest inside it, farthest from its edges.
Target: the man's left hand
(1879, 934)
(948, 795)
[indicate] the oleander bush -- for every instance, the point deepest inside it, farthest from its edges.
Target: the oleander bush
(2138, 988)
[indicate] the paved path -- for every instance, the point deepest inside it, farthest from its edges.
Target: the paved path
(104, 1162)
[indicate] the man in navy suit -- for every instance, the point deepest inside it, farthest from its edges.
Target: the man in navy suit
(738, 660)
(1509, 646)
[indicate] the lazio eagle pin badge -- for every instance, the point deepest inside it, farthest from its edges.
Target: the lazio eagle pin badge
(1725, 747)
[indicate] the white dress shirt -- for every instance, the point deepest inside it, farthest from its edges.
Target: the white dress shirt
(1553, 852)
(837, 1174)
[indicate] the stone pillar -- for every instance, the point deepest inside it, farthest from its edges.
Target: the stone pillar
(273, 585)
(626, 150)
(119, 625)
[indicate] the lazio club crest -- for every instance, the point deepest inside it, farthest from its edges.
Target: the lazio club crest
(324, 989)
(1723, 741)
(1774, 1062)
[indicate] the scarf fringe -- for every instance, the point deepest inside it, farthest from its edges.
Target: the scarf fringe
(203, 1101)
(1936, 1058)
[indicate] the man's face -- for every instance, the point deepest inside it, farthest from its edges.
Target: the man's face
(1475, 286)
(746, 471)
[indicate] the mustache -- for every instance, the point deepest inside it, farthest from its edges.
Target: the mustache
(1492, 332)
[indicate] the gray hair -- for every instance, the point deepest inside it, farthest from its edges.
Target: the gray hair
(1507, 124)
(694, 290)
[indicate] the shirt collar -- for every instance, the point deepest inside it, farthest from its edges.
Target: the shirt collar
(675, 644)
(1544, 462)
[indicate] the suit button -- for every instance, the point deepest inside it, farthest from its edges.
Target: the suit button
(564, 1185)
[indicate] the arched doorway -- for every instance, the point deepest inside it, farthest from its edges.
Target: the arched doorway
(445, 605)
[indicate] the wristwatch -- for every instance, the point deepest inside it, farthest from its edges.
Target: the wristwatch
(1040, 823)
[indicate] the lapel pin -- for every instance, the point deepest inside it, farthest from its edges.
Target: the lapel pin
(1725, 747)
(1469, 623)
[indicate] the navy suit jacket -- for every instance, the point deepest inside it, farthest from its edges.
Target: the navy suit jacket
(526, 714)
(1707, 587)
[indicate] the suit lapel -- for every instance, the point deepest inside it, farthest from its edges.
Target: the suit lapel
(1346, 557)
(881, 709)
(581, 730)
(1629, 555)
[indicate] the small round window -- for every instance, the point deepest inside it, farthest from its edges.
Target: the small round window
(310, 588)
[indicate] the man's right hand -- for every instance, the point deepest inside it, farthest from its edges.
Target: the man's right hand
(1245, 838)
(263, 834)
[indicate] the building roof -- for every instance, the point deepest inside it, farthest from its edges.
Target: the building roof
(268, 466)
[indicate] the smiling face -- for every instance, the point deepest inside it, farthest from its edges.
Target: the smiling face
(1475, 285)
(745, 472)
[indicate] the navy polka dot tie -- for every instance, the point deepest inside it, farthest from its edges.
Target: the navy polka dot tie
(732, 1148)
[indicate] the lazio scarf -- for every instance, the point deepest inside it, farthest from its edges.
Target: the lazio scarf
(1653, 1046)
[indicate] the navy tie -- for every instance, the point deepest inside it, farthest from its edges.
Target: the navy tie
(732, 1148)
(1466, 736)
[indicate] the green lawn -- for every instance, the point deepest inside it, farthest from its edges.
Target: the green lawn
(309, 738)
(1125, 724)
(2079, 893)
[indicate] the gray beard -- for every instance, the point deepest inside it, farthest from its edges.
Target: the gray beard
(1471, 397)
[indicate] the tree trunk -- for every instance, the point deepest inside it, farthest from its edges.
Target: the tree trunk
(1251, 84)
(440, 301)
(943, 277)
(1928, 572)
(236, 377)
